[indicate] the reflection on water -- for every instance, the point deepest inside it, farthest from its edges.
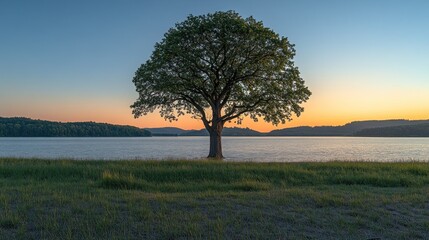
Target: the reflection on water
(260, 149)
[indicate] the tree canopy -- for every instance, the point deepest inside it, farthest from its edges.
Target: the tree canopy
(221, 67)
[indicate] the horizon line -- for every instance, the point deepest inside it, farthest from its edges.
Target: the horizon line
(196, 129)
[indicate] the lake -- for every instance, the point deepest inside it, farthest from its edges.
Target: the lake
(258, 149)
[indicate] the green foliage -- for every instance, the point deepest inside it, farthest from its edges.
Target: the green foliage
(219, 67)
(25, 127)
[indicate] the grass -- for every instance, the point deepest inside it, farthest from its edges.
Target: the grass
(61, 199)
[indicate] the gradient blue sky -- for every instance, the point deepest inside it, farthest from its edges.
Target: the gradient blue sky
(74, 60)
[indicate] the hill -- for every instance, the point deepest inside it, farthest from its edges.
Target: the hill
(173, 131)
(348, 129)
(26, 127)
(418, 130)
(167, 131)
(234, 131)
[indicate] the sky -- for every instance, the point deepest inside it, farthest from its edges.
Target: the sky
(75, 60)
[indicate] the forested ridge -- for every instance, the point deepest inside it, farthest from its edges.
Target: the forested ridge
(418, 130)
(26, 127)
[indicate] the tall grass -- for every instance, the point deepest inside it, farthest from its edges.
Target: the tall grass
(65, 199)
(188, 176)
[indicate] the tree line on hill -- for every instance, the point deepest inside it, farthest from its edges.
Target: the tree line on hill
(372, 128)
(172, 131)
(25, 127)
(349, 129)
(418, 130)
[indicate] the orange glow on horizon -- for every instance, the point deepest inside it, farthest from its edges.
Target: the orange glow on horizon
(325, 108)
(308, 118)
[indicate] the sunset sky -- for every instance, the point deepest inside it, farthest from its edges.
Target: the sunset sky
(74, 60)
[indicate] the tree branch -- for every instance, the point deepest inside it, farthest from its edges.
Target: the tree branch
(229, 116)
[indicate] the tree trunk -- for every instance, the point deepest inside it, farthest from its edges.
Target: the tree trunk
(216, 141)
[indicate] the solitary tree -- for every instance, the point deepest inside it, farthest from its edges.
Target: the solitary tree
(219, 68)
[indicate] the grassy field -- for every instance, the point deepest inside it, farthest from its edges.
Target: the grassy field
(61, 199)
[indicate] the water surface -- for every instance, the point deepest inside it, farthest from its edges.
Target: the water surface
(259, 149)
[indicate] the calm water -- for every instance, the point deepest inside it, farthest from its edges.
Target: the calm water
(263, 149)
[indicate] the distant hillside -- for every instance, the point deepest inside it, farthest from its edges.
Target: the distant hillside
(311, 131)
(234, 131)
(167, 131)
(348, 129)
(359, 125)
(26, 127)
(201, 132)
(417, 130)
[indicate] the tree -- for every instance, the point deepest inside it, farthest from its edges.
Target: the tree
(221, 67)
